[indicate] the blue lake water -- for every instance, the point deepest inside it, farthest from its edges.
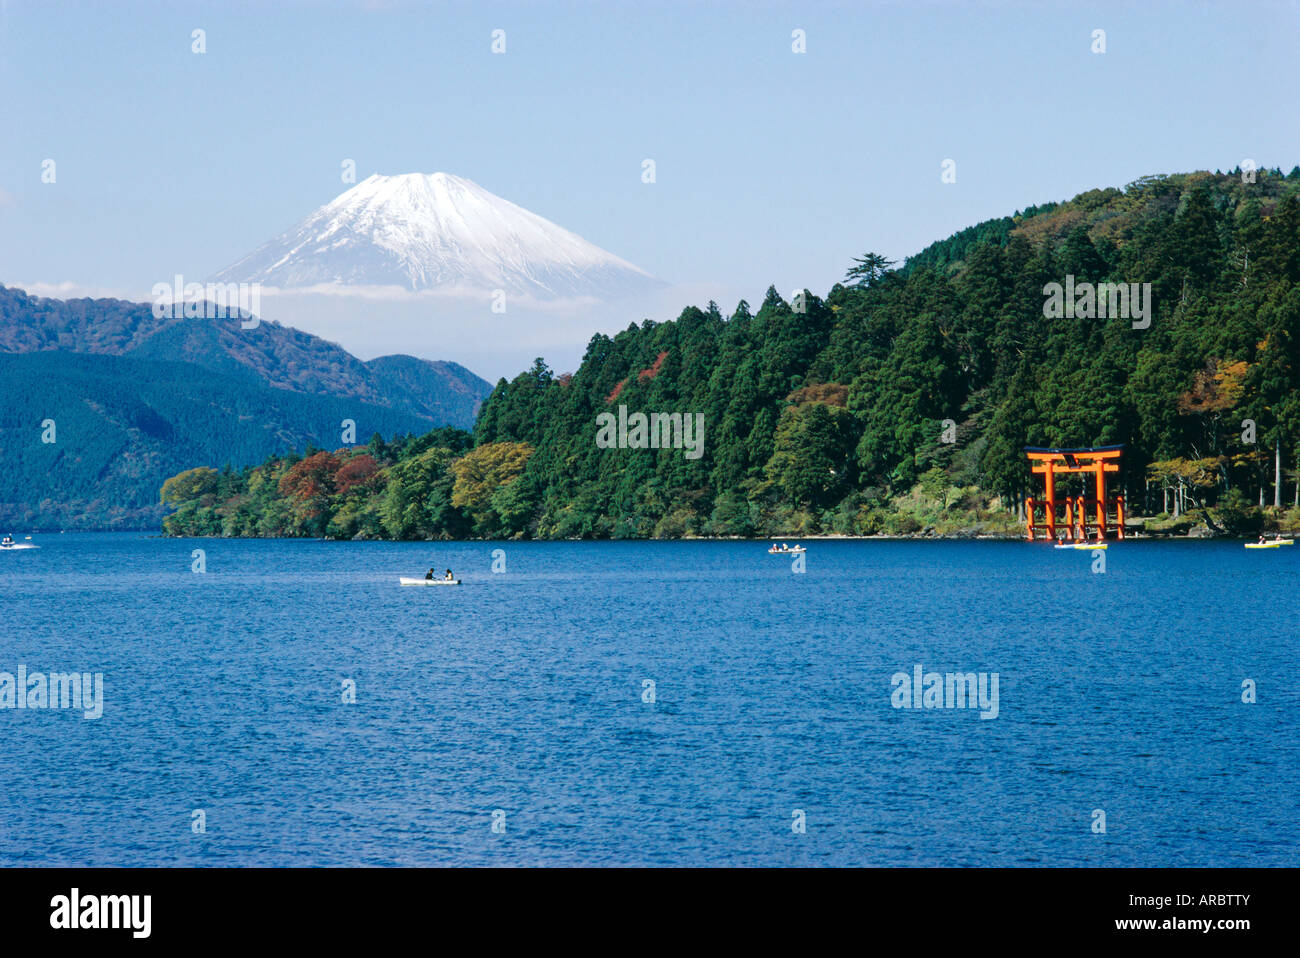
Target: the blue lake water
(523, 691)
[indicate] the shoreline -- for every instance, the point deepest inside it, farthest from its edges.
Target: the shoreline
(817, 537)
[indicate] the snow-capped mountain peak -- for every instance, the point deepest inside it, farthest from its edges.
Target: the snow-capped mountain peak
(437, 232)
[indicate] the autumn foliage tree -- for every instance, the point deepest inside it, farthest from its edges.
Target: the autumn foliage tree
(482, 471)
(308, 485)
(190, 486)
(358, 474)
(1216, 390)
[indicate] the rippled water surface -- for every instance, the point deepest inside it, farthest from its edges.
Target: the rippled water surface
(523, 691)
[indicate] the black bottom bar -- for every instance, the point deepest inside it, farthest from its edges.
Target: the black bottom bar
(645, 908)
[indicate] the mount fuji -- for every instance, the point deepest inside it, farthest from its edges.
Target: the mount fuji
(439, 233)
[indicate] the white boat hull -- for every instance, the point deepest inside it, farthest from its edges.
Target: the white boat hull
(406, 581)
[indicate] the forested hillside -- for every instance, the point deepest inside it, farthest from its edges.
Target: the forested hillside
(899, 402)
(120, 425)
(282, 357)
(133, 398)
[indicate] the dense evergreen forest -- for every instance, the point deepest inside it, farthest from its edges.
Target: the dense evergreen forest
(899, 403)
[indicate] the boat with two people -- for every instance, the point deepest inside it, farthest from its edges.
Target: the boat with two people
(1273, 543)
(430, 579)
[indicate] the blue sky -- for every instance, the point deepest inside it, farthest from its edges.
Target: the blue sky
(772, 167)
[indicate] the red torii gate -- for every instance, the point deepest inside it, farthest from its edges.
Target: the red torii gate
(1049, 463)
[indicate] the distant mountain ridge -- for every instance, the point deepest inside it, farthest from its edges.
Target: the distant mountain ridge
(134, 397)
(122, 425)
(437, 231)
(444, 392)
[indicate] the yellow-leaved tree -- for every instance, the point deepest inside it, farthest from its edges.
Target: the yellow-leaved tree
(188, 486)
(481, 471)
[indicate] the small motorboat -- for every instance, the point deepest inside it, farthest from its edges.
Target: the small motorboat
(409, 581)
(789, 550)
(7, 543)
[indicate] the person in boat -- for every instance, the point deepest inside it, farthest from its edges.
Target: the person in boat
(429, 574)
(448, 576)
